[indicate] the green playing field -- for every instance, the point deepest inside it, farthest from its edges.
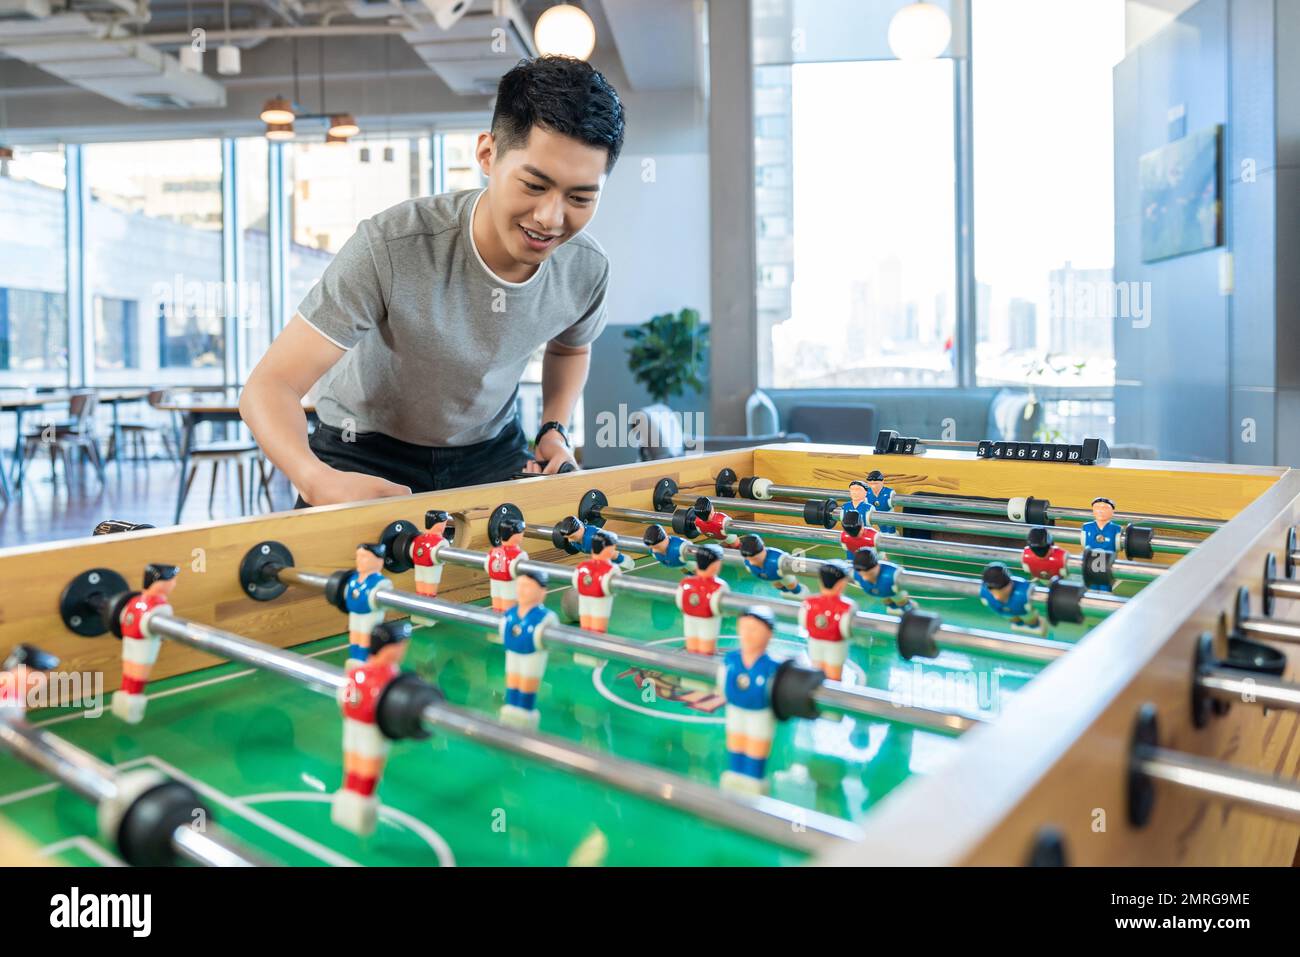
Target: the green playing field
(266, 753)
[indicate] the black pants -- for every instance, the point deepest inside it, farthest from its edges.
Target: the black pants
(421, 467)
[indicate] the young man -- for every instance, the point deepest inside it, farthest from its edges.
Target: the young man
(423, 323)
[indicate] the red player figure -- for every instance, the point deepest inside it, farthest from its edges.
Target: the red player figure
(1042, 557)
(424, 554)
(502, 561)
(709, 521)
(699, 596)
(593, 580)
(365, 747)
(139, 645)
(827, 620)
(22, 676)
(359, 597)
(855, 536)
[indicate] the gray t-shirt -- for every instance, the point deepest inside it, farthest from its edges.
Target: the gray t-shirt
(436, 342)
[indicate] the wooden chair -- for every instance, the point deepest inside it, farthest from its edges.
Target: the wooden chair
(237, 452)
(77, 434)
(135, 435)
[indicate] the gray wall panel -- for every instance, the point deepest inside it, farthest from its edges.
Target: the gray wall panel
(1251, 237)
(1250, 71)
(1287, 56)
(1287, 252)
(1253, 416)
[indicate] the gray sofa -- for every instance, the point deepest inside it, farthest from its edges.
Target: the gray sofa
(856, 415)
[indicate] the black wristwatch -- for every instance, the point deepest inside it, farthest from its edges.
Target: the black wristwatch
(547, 427)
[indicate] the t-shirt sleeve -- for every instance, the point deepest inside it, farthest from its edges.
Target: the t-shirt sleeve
(592, 322)
(351, 297)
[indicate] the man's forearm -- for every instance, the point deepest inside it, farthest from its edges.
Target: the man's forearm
(563, 378)
(274, 414)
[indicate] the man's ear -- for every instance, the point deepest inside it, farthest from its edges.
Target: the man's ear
(486, 152)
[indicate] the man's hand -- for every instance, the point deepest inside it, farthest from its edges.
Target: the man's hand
(331, 487)
(552, 450)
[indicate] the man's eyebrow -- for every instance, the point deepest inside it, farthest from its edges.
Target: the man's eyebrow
(534, 171)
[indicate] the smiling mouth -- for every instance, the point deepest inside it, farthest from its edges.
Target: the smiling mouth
(538, 237)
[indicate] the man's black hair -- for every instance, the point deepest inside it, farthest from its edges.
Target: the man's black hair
(562, 94)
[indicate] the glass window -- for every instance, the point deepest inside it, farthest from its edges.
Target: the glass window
(33, 268)
(163, 197)
(117, 333)
(460, 169)
(336, 186)
(254, 280)
(1044, 196)
(856, 274)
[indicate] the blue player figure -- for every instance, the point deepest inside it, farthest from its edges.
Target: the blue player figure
(880, 580)
(879, 498)
(1009, 596)
(1101, 534)
(745, 678)
(764, 562)
(578, 535)
(669, 550)
(359, 598)
(522, 627)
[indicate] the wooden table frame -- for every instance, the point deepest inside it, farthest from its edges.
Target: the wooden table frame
(194, 414)
(1056, 757)
(111, 396)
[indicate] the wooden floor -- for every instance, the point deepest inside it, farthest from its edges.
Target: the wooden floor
(141, 491)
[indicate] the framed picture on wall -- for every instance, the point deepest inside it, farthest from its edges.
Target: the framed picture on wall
(1182, 196)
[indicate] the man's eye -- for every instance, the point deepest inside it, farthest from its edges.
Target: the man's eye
(535, 187)
(581, 200)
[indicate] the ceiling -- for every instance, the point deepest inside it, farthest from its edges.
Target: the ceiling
(89, 69)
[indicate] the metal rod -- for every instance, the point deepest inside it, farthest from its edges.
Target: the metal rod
(1238, 685)
(845, 699)
(87, 776)
(764, 817)
(896, 544)
(79, 771)
(973, 526)
(1217, 779)
(770, 819)
(1041, 650)
(207, 848)
(998, 506)
(1269, 630)
(1283, 588)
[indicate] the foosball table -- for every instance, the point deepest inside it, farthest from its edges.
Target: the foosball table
(783, 655)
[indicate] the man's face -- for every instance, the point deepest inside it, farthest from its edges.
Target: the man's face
(876, 488)
(1102, 512)
(541, 194)
(856, 494)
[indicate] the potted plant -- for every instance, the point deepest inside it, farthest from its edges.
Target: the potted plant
(669, 357)
(669, 354)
